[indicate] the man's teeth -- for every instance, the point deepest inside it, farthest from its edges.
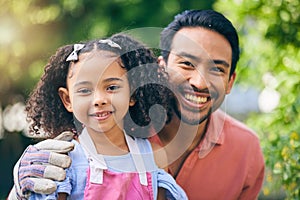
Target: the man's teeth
(195, 99)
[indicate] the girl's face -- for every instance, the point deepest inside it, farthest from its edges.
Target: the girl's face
(98, 92)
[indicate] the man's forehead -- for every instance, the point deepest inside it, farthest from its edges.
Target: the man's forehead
(183, 44)
(199, 44)
(191, 51)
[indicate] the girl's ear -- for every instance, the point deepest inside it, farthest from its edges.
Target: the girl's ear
(132, 102)
(65, 98)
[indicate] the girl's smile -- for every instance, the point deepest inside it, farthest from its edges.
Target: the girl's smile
(101, 115)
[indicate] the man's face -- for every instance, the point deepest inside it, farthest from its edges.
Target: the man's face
(199, 66)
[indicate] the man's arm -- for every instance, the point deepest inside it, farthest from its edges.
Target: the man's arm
(40, 164)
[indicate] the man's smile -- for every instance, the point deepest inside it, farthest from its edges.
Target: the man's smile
(194, 97)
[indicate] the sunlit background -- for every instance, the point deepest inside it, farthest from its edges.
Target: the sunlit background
(265, 96)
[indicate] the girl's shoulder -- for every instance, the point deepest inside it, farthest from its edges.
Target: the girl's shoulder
(78, 155)
(156, 151)
(144, 145)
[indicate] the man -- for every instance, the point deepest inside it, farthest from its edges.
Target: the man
(224, 160)
(211, 155)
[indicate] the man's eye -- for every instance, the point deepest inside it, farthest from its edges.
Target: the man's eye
(187, 63)
(218, 69)
(113, 87)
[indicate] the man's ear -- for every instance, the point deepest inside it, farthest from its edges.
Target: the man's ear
(161, 62)
(65, 98)
(230, 83)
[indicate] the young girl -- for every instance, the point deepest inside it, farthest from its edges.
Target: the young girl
(110, 87)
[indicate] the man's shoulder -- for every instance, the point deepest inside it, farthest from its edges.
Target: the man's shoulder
(234, 127)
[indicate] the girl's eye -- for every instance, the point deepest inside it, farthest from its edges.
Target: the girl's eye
(113, 87)
(84, 91)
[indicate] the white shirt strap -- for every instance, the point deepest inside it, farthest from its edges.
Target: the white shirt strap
(137, 159)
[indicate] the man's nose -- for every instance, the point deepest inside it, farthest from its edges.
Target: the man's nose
(198, 79)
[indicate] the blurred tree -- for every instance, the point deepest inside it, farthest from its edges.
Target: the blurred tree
(270, 41)
(31, 31)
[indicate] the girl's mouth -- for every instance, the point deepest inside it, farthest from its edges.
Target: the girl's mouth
(102, 115)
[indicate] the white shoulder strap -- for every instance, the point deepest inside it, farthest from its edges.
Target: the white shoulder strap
(137, 159)
(96, 161)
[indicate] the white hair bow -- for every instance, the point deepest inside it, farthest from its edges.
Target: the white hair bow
(110, 43)
(73, 56)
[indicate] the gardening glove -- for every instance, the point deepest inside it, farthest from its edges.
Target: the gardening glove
(40, 164)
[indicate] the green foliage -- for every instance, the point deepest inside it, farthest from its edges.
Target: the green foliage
(270, 40)
(31, 31)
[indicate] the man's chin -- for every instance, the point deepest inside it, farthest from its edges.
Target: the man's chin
(192, 118)
(193, 121)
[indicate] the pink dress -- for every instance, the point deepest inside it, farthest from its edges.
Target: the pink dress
(107, 184)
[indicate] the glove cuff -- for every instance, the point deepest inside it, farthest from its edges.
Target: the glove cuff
(16, 192)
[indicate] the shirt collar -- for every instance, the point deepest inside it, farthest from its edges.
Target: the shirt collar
(214, 134)
(215, 129)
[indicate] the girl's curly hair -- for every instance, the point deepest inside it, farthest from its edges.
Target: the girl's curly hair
(148, 86)
(45, 110)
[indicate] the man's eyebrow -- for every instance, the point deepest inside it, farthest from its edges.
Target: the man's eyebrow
(187, 55)
(221, 62)
(196, 58)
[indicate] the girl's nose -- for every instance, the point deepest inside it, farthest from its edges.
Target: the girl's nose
(100, 99)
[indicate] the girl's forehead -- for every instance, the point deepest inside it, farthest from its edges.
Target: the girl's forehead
(96, 63)
(97, 58)
(105, 55)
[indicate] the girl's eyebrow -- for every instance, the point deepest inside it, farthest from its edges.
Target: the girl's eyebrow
(82, 83)
(108, 80)
(113, 79)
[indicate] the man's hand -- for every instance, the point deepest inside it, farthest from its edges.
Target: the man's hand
(40, 164)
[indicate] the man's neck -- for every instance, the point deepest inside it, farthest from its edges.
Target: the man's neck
(177, 127)
(181, 137)
(179, 140)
